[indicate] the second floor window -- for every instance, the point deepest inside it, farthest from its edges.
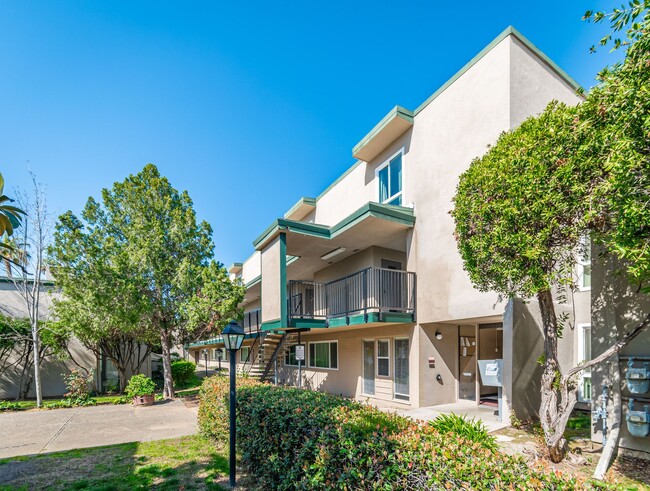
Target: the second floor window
(390, 181)
(584, 264)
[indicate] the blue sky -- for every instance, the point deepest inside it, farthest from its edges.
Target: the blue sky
(248, 106)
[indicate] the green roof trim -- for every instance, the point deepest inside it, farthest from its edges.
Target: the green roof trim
(302, 201)
(253, 282)
(399, 214)
(396, 112)
(510, 30)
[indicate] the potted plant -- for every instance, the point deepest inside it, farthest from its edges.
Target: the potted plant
(141, 390)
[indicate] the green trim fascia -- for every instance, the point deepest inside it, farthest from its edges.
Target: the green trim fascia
(337, 322)
(219, 340)
(302, 201)
(307, 323)
(507, 32)
(398, 214)
(272, 325)
(253, 282)
(5, 279)
(396, 112)
(397, 317)
(284, 308)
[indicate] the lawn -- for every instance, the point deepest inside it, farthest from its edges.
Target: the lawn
(190, 463)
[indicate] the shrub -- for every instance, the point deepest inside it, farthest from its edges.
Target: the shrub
(79, 386)
(298, 439)
(182, 372)
(140, 385)
(471, 429)
(214, 404)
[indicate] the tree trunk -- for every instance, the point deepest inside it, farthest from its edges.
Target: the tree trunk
(615, 425)
(556, 397)
(122, 378)
(168, 387)
(36, 342)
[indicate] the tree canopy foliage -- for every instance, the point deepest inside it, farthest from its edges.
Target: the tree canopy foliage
(139, 263)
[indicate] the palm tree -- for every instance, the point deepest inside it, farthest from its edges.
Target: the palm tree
(10, 216)
(12, 255)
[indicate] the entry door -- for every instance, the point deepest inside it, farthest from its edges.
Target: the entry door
(392, 286)
(369, 367)
(467, 363)
(401, 389)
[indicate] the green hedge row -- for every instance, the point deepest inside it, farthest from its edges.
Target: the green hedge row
(292, 439)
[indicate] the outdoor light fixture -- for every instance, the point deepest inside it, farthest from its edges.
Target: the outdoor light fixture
(438, 335)
(333, 253)
(233, 337)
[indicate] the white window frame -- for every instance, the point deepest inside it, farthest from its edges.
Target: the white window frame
(382, 166)
(377, 357)
(243, 358)
(581, 263)
(288, 356)
(582, 331)
(338, 359)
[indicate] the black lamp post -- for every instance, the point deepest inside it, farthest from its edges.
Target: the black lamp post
(233, 337)
(205, 355)
(219, 356)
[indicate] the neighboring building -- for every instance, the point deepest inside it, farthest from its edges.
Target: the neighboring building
(53, 370)
(368, 277)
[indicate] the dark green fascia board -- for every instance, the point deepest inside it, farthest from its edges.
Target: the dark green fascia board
(253, 282)
(302, 201)
(397, 317)
(510, 30)
(219, 340)
(396, 112)
(308, 323)
(399, 214)
(272, 325)
(5, 279)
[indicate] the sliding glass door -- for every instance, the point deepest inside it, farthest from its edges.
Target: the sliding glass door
(369, 367)
(401, 389)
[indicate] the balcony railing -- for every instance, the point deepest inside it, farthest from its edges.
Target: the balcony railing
(376, 290)
(252, 321)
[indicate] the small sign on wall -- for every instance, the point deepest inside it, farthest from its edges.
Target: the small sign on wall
(300, 352)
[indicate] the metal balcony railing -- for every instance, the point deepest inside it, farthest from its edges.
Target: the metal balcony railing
(369, 290)
(252, 321)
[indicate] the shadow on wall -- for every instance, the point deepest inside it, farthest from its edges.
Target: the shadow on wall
(617, 307)
(528, 346)
(310, 380)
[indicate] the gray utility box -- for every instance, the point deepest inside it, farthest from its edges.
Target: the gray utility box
(638, 378)
(491, 372)
(638, 422)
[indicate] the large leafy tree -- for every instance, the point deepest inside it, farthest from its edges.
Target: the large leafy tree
(521, 209)
(140, 263)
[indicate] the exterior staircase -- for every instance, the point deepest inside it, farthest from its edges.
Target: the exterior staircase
(275, 346)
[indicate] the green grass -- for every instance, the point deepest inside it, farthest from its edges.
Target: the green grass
(190, 463)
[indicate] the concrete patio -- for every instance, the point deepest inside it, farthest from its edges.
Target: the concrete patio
(487, 414)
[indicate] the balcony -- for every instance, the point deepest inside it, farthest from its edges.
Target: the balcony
(368, 296)
(252, 321)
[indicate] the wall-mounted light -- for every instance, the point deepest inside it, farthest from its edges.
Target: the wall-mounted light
(333, 253)
(438, 335)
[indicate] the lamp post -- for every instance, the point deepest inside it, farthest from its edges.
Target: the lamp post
(233, 337)
(219, 356)
(205, 355)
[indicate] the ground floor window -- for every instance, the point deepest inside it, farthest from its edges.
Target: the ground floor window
(584, 354)
(369, 367)
(383, 358)
(324, 354)
(401, 382)
(244, 353)
(290, 357)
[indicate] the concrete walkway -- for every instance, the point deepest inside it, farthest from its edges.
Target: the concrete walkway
(467, 408)
(34, 432)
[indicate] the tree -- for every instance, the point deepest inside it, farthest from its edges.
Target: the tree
(520, 211)
(35, 232)
(10, 219)
(142, 246)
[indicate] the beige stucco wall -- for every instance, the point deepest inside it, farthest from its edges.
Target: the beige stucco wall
(617, 308)
(370, 257)
(252, 267)
(271, 281)
(445, 356)
(347, 379)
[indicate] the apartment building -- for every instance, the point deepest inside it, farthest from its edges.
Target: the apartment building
(367, 277)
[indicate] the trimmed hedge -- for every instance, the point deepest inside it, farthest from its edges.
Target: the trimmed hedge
(182, 372)
(214, 405)
(298, 439)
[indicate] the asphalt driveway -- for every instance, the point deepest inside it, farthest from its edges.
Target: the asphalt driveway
(34, 432)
